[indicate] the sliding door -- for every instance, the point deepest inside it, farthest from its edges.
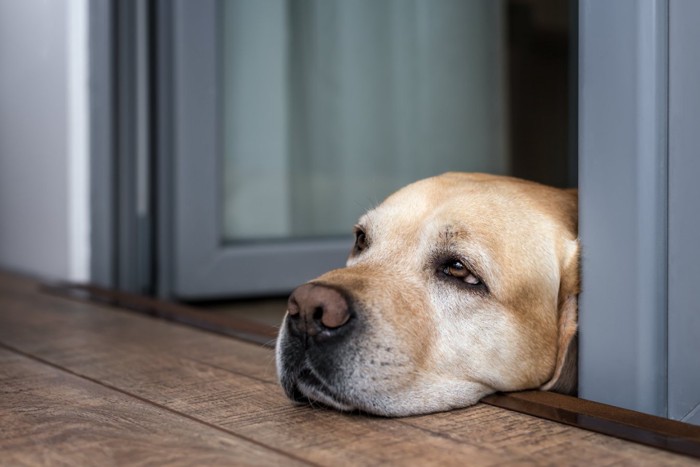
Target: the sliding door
(291, 118)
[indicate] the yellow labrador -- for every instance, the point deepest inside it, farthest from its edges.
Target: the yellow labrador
(458, 286)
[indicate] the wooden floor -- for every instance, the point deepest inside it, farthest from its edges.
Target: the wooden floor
(87, 384)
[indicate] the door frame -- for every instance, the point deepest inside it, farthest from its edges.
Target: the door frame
(639, 222)
(121, 189)
(623, 185)
(683, 212)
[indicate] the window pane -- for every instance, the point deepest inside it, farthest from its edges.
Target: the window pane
(332, 105)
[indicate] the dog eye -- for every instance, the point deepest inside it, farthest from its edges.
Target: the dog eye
(360, 240)
(460, 271)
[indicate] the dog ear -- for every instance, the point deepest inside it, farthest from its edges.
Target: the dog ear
(565, 377)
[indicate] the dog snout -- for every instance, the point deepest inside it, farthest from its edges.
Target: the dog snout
(317, 311)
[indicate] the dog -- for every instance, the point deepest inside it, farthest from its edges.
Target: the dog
(457, 286)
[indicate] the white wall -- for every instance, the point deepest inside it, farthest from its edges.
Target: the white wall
(43, 138)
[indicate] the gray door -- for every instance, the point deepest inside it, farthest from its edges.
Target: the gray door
(684, 212)
(639, 221)
(292, 118)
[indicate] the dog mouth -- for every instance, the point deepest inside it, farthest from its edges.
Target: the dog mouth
(309, 388)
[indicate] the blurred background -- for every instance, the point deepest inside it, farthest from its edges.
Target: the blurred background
(220, 149)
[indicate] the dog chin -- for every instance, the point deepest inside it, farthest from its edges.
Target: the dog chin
(426, 398)
(315, 395)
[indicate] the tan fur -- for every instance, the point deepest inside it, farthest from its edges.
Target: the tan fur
(427, 344)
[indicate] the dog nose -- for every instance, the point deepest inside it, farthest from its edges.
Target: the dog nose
(315, 308)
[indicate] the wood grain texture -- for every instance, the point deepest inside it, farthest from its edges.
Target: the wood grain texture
(231, 385)
(228, 324)
(53, 418)
(671, 435)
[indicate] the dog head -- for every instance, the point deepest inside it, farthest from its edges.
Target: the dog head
(457, 286)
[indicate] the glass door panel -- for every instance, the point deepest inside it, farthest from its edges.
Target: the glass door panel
(331, 105)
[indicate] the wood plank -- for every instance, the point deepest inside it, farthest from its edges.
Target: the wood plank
(531, 439)
(661, 432)
(49, 417)
(220, 322)
(23, 307)
(230, 384)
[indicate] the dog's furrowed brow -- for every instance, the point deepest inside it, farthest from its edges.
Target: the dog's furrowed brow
(449, 234)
